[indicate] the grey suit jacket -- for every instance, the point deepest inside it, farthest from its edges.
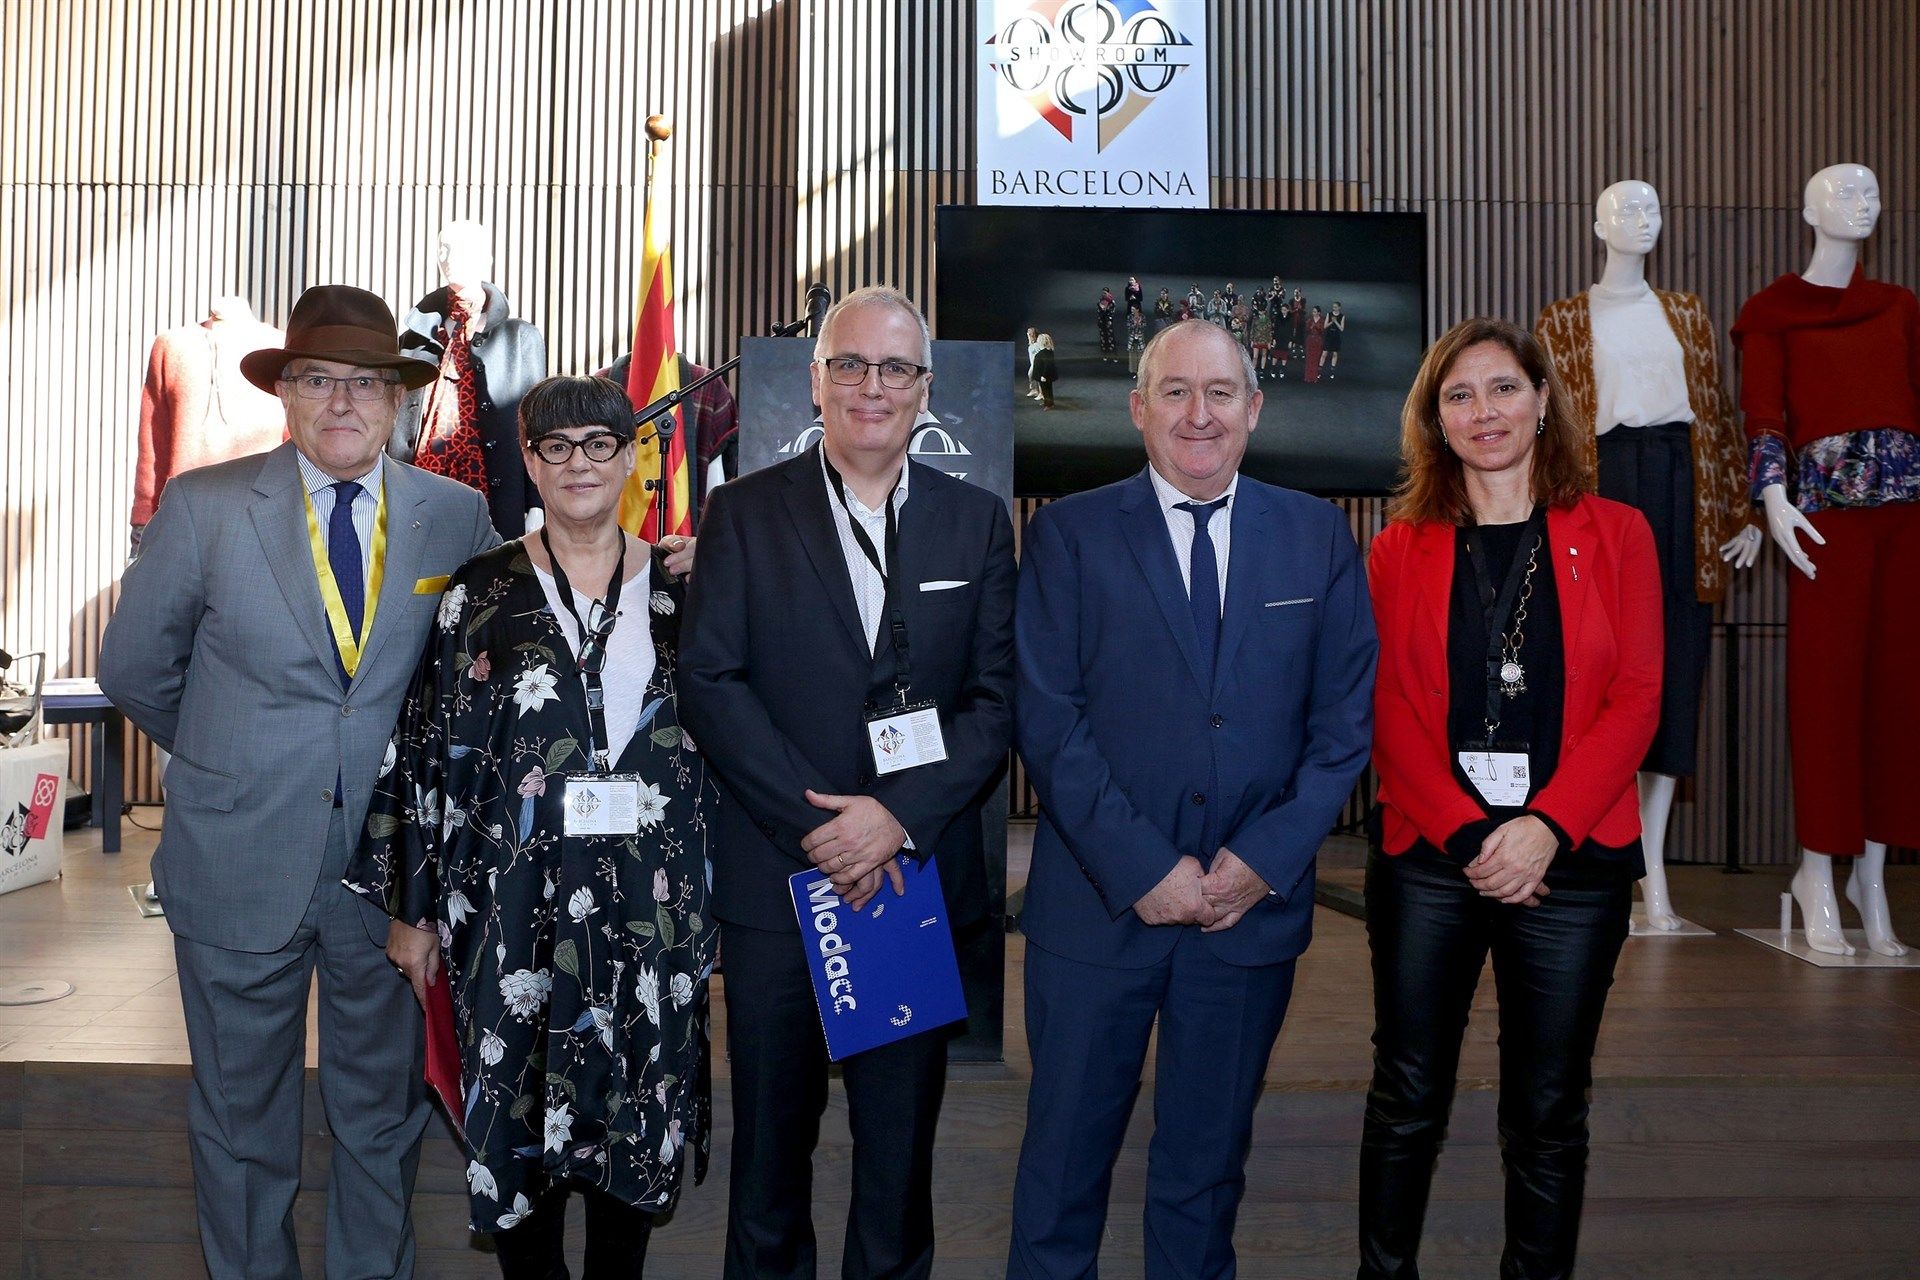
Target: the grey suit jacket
(220, 651)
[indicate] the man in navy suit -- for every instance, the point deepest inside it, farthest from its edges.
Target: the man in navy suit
(1195, 656)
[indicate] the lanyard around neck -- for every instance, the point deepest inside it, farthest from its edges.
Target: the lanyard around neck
(890, 598)
(598, 743)
(349, 645)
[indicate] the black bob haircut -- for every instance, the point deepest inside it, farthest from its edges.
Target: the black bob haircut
(554, 404)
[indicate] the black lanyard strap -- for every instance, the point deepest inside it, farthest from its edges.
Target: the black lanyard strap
(593, 646)
(890, 597)
(1498, 607)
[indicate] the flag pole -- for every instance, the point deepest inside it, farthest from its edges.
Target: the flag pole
(659, 129)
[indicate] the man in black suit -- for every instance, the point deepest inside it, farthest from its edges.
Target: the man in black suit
(831, 588)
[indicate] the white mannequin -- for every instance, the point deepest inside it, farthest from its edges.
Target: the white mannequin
(465, 259)
(1842, 205)
(1626, 218)
(229, 306)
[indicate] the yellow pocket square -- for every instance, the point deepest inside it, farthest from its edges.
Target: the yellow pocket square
(432, 586)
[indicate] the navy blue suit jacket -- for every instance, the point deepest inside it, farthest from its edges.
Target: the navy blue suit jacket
(1139, 761)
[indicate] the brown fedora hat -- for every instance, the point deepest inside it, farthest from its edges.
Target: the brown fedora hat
(341, 323)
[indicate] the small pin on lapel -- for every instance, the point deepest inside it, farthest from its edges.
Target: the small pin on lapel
(416, 524)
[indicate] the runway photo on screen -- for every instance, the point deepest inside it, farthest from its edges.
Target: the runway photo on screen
(1327, 307)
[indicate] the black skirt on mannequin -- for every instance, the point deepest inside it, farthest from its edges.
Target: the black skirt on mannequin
(1651, 468)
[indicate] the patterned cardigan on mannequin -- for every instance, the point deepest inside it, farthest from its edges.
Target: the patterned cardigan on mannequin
(1720, 505)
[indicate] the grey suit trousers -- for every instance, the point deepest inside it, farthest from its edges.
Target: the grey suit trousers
(247, 1026)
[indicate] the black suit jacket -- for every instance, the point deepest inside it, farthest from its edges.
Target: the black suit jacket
(775, 677)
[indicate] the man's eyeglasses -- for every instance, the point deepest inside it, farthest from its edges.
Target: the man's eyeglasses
(556, 450)
(318, 386)
(851, 371)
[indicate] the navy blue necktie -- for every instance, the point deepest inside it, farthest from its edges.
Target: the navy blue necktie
(1203, 576)
(343, 555)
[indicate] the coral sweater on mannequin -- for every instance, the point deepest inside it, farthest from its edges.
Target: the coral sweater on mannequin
(196, 409)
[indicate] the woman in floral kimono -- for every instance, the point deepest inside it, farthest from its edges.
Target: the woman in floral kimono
(575, 937)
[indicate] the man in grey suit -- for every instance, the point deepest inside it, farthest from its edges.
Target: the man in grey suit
(266, 637)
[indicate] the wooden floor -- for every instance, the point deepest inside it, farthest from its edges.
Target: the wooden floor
(1754, 1116)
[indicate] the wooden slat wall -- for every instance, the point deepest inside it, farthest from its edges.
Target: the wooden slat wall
(154, 155)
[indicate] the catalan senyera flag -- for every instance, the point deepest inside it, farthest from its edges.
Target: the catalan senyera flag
(653, 372)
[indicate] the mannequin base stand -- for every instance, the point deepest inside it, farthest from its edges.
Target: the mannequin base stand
(1637, 927)
(1794, 943)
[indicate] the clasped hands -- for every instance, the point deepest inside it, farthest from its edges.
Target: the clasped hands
(1513, 861)
(856, 847)
(1214, 899)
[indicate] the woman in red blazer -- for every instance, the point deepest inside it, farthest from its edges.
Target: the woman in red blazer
(1518, 689)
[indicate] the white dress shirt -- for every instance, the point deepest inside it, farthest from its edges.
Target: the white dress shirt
(1639, 373)
(1180, 529)
(320, 488)
(869, 589)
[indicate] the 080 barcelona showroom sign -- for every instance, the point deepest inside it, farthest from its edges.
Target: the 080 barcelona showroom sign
(1093, 102)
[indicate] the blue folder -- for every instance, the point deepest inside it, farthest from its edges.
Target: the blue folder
(884, 972)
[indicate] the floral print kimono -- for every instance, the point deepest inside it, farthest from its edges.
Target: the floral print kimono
(577, 965)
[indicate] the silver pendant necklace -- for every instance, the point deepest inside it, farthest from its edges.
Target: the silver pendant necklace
(1513, 676)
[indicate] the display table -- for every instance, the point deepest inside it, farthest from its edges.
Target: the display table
(33, 806)
(81, 702)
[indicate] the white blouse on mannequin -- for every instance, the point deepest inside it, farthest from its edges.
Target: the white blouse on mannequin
(1639, 373)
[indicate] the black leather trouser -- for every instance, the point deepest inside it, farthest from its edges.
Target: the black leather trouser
(1430, 934)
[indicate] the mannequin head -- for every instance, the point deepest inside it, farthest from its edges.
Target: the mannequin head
(1626, 217)
(1842, 202)
(464, 256)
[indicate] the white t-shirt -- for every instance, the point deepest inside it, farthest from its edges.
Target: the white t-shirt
(1639, 373)
(629, 665)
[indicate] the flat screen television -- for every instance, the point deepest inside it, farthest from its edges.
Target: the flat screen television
(1332, 382)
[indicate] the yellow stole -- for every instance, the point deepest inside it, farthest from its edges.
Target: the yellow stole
(349, 645)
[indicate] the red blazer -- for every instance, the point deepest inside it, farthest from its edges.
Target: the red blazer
(1609, 584)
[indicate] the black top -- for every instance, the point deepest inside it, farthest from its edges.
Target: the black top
(1531, 720)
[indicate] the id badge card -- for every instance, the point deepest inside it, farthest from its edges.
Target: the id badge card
(602, 804)
(1501, 775)
(905, 738)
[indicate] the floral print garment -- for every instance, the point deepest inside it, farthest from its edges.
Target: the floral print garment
(1859, 469)
(577, 965)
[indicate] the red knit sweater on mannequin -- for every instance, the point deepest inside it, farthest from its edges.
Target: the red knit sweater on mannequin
(1817, 361)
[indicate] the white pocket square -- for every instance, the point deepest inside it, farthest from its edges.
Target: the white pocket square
(1281, 604)
(944, 584)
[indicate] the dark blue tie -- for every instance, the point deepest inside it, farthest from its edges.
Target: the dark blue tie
(343, 555)
(1203, 577)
